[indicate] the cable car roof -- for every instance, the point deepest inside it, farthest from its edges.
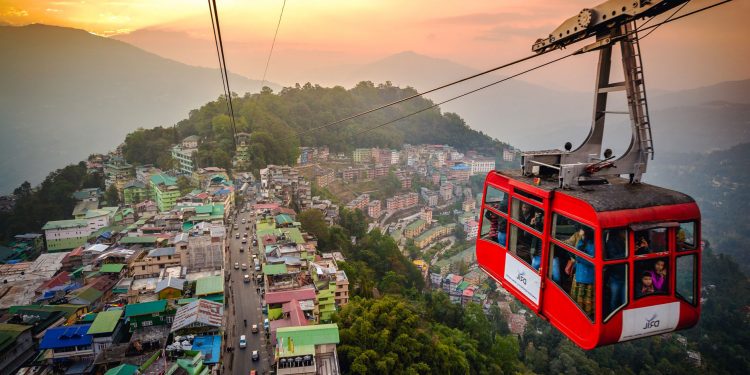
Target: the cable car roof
(619, 194)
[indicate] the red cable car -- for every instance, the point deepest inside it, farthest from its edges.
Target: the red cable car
(610, 263)
(603, 258)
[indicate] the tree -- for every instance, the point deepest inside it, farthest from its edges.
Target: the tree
(314, 223)
(112, 196)
(185, 185)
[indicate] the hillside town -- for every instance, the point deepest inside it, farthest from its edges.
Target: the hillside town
(198, 271)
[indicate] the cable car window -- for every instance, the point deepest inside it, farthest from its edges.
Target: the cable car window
(529, 215)
(575, 275)
(568, 231)
(615, 288)
(685, 278)
(525, 245)
(528, 195)
(685, 236)
(651, 241)
(496, 199)
(615, 243)
(494, 228)
(651, 277)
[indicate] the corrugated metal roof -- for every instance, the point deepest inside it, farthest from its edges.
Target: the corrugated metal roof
(112, 268)
(274, 269)
(170, 282)
(62, 337)
(288, 295)
(145, 308)
(105, 322)
(311, 335)
(200, 311)
(62, 224)
(209, 285)
(162, 251)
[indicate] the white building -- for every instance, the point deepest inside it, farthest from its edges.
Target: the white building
(481, 165)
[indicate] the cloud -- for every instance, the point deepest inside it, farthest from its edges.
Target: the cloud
(507, 32)
(53, 10)
(14, 12)
(478, 19)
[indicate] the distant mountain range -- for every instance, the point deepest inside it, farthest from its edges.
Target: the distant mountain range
(525, 115)
(72, 93)
(66, 93)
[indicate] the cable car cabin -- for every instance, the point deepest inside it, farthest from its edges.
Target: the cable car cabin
(603, 264)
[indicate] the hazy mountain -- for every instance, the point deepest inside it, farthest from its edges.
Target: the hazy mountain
(66, 93)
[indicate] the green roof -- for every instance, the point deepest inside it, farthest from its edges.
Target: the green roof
(283, 219)
(163, 179)
(415, 224)
(62, 224)
(67, 309)
(462, 285)
(311, 335)
(112, 268)
(205, 209)
(209, 285)
(274, 269)
(145, 308)
(138, 240)
(88, 318)
(88, 293)
(9, 333)
(263, 226)
(123, 369)
(294, 234)
(105, 322)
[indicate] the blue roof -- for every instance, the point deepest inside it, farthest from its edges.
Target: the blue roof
(460, 167)
(63, 337)
(210, 346)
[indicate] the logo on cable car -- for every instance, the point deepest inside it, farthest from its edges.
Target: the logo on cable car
(652, 323)
(521, 277)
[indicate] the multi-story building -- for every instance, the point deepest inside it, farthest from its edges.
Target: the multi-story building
(324, 177)
(470, 228)
(446, 191)
(185, 158)
(241, 161)
(362, 155)
(152, 263)
(481, 165)
(379, 171)
(17, 346)
(401, 202)
(164, 191)
(208, 175)
(509, 154)
(374, 209)
(117, 172)
(468, 205)
(360, 202)
(287, 184)
(134, 192)
(64, 235)
(430, 197)
(415, 228)
(460, 172)
(318, 340)
(98, 218)
(426, 215)
(433, 234)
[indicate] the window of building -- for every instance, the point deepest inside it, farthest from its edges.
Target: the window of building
(651, 277)
(496, 199)
(526, 246)
(574, 274)
(651, 241)
(615, 243)
(494, 228)
(146, 323)
(685, 234)
(685, 278)
(615, 280)
(528, 215)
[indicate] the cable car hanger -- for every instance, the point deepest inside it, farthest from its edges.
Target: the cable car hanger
(611, 22)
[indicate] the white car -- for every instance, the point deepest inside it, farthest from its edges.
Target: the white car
(236, 265)
(244, 266)
(255, 355)
(243, 342)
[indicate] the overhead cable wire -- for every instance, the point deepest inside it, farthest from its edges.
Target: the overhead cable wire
(218, 55)
(466, 93)
(223, 67)
(273, 43)
(493, 70)
(654, 27)
(667, 19)
(420, 94)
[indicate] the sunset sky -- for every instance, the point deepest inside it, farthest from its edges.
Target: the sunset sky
(700, 50)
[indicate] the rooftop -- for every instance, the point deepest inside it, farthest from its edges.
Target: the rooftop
(67, 336)
(274, 269)
(105, 322)
(65, 224)
(209, 285)
(200, 311)
(145, 308)
(288, 295)
(112, 268)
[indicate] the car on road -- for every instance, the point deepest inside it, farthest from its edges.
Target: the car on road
(243, 342)
(236, 265)
(255, 242)
(255, 355)
(246, 278)
(242, 249)
(237, 236)
(255, 328)
(244, 266)
(235, 226)
(244, 241)
(265, 323)
(244, 235)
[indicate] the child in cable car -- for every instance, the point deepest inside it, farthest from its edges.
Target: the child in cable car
(659, 276)
(647, 284)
